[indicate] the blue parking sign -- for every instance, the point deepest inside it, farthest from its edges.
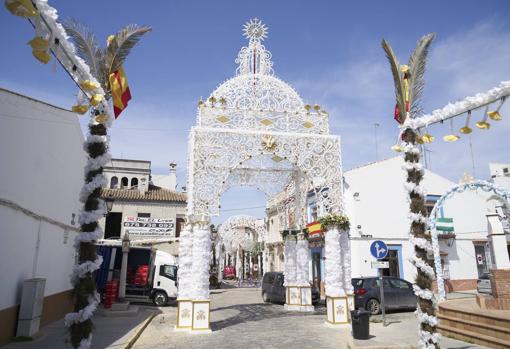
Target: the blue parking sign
(378, 249)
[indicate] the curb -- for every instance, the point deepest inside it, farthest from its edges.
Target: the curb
(139, 331)
(351, 345)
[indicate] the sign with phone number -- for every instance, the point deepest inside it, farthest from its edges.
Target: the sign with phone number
(144, 226)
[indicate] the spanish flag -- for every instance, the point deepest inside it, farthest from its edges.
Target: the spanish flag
(120, 91)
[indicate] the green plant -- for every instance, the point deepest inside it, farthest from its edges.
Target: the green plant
(340, 221)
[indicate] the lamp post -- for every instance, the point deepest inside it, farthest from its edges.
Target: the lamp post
(126, 245)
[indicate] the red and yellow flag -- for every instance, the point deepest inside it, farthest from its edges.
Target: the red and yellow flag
(120, 91)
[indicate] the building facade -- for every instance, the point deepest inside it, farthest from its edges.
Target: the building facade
(136, 195)
(376, 204)
(42, 173)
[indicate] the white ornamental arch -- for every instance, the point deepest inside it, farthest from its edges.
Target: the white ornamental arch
(499, 192)
(232, 233)
(255, 130)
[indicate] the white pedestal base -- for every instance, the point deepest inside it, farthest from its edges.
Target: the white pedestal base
(201, 316)
(184, 314)
(337, 310)
(299, 298)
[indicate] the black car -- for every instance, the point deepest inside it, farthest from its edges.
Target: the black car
(274, 291)
(398, 294)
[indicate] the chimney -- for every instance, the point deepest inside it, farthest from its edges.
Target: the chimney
(173, 175)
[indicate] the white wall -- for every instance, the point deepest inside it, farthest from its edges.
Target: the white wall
(381, 209)
(42, 170)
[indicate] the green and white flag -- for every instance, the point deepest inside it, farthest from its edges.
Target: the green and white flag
(444, 224)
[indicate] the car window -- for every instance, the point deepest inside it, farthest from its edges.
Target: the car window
(279, 279)
(169, 271)
(268, 278)
(357, 282)
(377, 283)
(401, 284)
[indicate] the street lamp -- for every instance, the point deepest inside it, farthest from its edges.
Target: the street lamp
(126, 245)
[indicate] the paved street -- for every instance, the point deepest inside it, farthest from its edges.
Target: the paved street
(241, 320)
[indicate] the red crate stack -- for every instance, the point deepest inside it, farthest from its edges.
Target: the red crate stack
(111, 293)
(142, 275)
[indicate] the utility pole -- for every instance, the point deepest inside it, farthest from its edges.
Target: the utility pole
(376, 125)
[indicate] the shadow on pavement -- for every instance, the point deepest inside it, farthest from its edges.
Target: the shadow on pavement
(254, 312)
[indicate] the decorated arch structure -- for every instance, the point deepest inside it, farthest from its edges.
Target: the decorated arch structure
(255, 130)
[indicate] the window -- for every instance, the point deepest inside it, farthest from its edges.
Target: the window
(144, 215)
(377, 283)
(268, 278)
(168, 271)
(430, 201)
(124, 182)
(114, 182)
(179, 226)
(397, 283)
(505, 170)
(134, 182)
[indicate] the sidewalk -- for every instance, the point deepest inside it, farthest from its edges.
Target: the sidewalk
(110, 332)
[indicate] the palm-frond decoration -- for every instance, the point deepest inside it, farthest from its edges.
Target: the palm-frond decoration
(417, 63)
(87, 48)
(397, 79)
(121, 44)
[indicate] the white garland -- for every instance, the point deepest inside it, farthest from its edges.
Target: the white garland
(426, 318)
(421, 243)
(98, 181)
(199, 289)
(289, 267)
(302, 258)
(83, 314)
(413, 188)
(418, 217)
(87, 217)
(461, 107)
(80, 270)
(345, 247)
(423, 293)
(427, 269)
(88, 236)
(185, 262)
(333, 264)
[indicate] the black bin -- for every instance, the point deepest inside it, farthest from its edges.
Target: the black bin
(360, 324)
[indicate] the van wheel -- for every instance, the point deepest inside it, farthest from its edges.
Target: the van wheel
(159, 298)
(265, 298)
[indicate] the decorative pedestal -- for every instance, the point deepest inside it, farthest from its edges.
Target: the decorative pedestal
(299, 298)
(201, 316)
(350, 305)
(337, 311)
(184, 314)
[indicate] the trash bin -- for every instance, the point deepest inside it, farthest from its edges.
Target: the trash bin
(360, 324)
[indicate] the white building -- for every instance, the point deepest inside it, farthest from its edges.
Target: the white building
(41, 177)
(134, 193)
(377, 206)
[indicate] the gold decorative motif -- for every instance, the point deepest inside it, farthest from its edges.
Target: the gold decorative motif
(266, 122)
(201, 315)
(340, 310)
(466, 130)
(223, 101)
(427, 138)
(186, 314)
(316, 107)
(308, 124)
(483, 125)
(80, 108)
(397, 148)
(268, 143)
(101, 118)
(494, 115)
(223, 118)
(451, 138)
(307, 107)
(277, 158)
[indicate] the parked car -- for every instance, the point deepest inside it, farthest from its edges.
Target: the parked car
(274, 291)
(398, 294)
(483, 285)
(229, 272)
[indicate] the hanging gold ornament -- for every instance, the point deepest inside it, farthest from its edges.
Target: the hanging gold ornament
(307, 107)
(483, 124)
(101, 118)
(89, 85)
(80, 108)
(397, 148)
(494, 115)
(451, 137)
(21, 8)
(427, 138)
(42, 56)
(96, 99)
(38, 44)
(419, 140)
(466, 130)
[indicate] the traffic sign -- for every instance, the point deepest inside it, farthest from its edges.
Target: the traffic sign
(380, 265)
(378, 249)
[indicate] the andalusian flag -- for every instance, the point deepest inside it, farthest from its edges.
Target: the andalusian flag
(120, 91)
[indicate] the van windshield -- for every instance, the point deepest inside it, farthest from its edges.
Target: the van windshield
(169, 271)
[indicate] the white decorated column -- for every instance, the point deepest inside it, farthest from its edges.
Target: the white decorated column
(184, 277)
(303, 273)
(200, 269)
(345, 246)
(336, 300)
(292, 299)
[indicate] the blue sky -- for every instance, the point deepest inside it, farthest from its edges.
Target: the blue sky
(328, 50)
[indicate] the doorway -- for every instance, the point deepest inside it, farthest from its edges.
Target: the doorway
(394, 259)
(113, 225)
